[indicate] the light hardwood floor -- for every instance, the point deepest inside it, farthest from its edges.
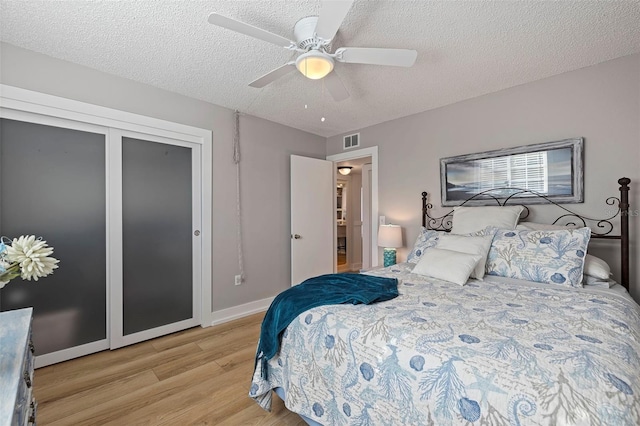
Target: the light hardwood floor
(197, 376)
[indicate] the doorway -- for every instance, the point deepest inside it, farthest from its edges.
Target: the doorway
(353, 214)
(313, 212)
(356, 204)
(344, 239)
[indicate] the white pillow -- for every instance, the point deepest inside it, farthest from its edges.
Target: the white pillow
(472, 219)
(532, 226)
(447, 265)
(596, 267)
(590, 281)
(469, 245)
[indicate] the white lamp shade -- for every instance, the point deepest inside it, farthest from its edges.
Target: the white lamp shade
(390, 236)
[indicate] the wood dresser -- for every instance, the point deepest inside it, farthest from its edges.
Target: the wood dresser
(17, 404)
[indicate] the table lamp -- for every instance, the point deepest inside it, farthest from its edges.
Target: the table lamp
(390, 237)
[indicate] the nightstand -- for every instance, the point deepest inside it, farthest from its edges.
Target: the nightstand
(17, 404)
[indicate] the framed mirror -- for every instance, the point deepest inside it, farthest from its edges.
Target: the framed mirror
(552, 169)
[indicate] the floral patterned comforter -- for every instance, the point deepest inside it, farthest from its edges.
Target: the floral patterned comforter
(486, 353)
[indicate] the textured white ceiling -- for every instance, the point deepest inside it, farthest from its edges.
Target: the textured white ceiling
(465, 49)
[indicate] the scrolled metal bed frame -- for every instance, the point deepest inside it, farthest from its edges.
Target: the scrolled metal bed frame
(601, 228)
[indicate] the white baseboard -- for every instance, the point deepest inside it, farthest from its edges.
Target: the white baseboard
(240, 311)
(217, 317)
(70, 353)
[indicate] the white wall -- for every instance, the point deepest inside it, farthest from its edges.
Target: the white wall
(600, 103)
(266, 147)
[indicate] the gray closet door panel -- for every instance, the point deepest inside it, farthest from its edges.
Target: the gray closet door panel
(52, 185)
(157, 234)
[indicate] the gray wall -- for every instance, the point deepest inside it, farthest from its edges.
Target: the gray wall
(600, 103)
(266, 147)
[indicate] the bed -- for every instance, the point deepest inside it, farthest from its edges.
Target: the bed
(497, 350)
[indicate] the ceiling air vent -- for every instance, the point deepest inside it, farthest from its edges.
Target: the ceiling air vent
(351, 141)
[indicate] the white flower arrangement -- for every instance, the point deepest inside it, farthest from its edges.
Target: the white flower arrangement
(27, 257)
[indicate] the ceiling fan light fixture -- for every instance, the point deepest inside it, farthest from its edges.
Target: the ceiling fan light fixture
(314, 64)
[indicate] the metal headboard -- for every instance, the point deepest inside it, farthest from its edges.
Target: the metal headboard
(601, 228)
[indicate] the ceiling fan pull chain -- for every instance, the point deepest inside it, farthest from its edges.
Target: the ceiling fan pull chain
(323, 103)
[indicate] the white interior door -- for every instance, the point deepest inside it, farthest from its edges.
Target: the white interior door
(312, 218)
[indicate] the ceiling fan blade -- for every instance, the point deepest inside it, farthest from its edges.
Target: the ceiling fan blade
(376, 56)
(273, 75)
(250, 30)
(332, 13)
(335, 87)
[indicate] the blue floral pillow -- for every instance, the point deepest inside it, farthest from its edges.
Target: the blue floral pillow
(426, 239)
(554, 257)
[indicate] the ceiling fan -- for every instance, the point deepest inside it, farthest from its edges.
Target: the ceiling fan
(313, 36)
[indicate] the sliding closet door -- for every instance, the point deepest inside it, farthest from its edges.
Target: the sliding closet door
(160, 211)
(52, 185)
(120, 197)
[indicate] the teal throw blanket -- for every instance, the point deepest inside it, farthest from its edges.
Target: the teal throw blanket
(330, 289)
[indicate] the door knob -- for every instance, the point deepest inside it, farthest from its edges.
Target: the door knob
(296, 236)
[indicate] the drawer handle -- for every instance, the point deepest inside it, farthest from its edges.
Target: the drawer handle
(31, 347)
(32, 417)
(27, 379)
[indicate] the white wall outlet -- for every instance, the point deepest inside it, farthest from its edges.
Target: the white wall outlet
(238, 279)
(383, 220)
